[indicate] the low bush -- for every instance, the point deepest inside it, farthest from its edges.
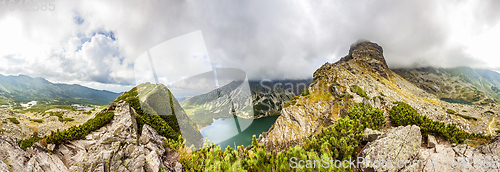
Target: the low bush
(13, 120)
(450, 111)
(37, 120)
(72, 133)
(466, 117)
(305, 92)
(291, 102)
(28, 142)
(490, 112)
(403, 114)
(66, 119)
(78, 132)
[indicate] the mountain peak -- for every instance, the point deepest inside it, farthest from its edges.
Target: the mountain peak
(361, 46)
(370, 53)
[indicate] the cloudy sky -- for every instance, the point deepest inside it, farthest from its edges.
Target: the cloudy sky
(96, 43)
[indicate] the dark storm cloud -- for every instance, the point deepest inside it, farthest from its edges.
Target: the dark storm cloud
(285, 39)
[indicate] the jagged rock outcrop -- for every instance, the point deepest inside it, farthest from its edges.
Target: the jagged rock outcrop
(370, 53)
(114, 147)
(36, 158)
(445, 157)
(397, 145)
(492, 148)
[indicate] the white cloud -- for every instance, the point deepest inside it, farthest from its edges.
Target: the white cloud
(266, 39)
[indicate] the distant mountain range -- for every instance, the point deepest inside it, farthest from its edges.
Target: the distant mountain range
(477, 86)
(22, 88)
(267, 99)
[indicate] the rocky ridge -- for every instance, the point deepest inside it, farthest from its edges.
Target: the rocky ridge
(115, 146)
(366, 68)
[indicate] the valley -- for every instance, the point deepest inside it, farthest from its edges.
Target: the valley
(267, 99)
(33, 107)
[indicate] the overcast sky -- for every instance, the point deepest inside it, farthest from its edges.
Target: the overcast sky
(96, 43)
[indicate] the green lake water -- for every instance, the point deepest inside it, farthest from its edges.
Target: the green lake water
(456, 101)
(224, 131)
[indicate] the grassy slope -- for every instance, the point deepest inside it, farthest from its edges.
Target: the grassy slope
(153, 112)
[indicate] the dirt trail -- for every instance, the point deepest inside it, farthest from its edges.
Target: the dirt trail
(143, 98)
(489, 125)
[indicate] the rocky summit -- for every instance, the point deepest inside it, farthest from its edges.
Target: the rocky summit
(117, 146)
(370, 53)
(364, 75)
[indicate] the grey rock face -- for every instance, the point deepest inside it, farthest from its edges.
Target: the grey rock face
(431, 141)
(13, 158)
(114, 147)
(11, 155)
(397, 145)
(492, 148)
(150, 135)
(458, 158)
(370, 135)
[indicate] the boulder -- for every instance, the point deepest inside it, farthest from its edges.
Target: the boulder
(370, 135)
(492, 148)
(431, 141)
(51, 147)
(11, 154)
(178, 167)
(153, 162)
(150, 135)
(399, 144)
(447, 158)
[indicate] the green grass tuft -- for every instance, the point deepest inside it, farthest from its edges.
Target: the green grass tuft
(466, 117)
(37, 120)
(356, 89)
(13, 120)
(450, 111)
(66, 119)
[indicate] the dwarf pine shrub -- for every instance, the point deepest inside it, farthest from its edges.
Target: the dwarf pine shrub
(403, 114)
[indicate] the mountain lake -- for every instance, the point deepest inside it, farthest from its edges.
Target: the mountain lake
(456, 101)
(31, 103)
(224, 132)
